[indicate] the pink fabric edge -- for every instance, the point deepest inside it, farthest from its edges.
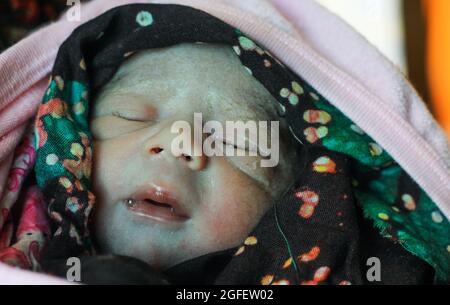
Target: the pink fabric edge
(23, 108)
(5, 165)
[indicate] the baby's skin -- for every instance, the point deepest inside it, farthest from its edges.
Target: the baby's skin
(195, 204)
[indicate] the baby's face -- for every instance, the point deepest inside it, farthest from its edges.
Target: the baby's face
(196, 204)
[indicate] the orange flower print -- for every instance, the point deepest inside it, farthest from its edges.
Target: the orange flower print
(80, 167)
(314, 134)
(56, 108)
(309, 256)
(269, 280)
(320, 275)
(409, 202)
(287, 263)
(324, 165)
(249, 241)
(317, 116)
(375, 149)
(310, 201)
(306, 210)
(281, 282)
(309, 197)
(239, 251)
(309, 283)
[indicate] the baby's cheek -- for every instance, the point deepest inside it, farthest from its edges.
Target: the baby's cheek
(103, 170)
(110, 159)
(234, 213)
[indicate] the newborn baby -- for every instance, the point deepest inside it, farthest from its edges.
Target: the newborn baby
(161, 208)
(105, 185)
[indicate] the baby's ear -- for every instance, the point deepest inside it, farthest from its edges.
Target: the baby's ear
(110, 270)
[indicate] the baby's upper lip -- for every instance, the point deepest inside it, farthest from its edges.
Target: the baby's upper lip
(160, 194)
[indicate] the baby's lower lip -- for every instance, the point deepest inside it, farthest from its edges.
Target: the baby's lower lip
(151, 211)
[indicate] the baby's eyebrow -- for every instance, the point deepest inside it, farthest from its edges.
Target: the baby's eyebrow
(250, 108)
(122, 101)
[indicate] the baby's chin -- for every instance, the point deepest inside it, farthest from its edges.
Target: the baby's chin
(160, 244)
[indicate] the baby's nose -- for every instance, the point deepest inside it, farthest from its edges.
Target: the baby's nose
(161, 144)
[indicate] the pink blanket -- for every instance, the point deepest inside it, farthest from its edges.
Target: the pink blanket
(316, 44)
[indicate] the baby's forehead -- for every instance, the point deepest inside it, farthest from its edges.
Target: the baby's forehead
(213, 72)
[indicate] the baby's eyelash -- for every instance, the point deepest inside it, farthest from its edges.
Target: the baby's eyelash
(231, 144)
(224, 141)
(119, 115)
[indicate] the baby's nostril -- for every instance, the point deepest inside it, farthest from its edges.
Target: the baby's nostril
(186, 157)
(156, 150)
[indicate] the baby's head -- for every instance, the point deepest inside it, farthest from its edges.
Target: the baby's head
(197, 204)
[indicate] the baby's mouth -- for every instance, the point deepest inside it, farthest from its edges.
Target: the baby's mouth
(156, 203)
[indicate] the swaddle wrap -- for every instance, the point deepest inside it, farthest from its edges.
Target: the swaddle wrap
(341, 171)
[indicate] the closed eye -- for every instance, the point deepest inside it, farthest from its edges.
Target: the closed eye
(235, 144)
(243, 145)
(220, 138)
(125, 117)
(232, 144)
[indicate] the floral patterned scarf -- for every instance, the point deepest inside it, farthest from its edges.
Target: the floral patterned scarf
(351, 200)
